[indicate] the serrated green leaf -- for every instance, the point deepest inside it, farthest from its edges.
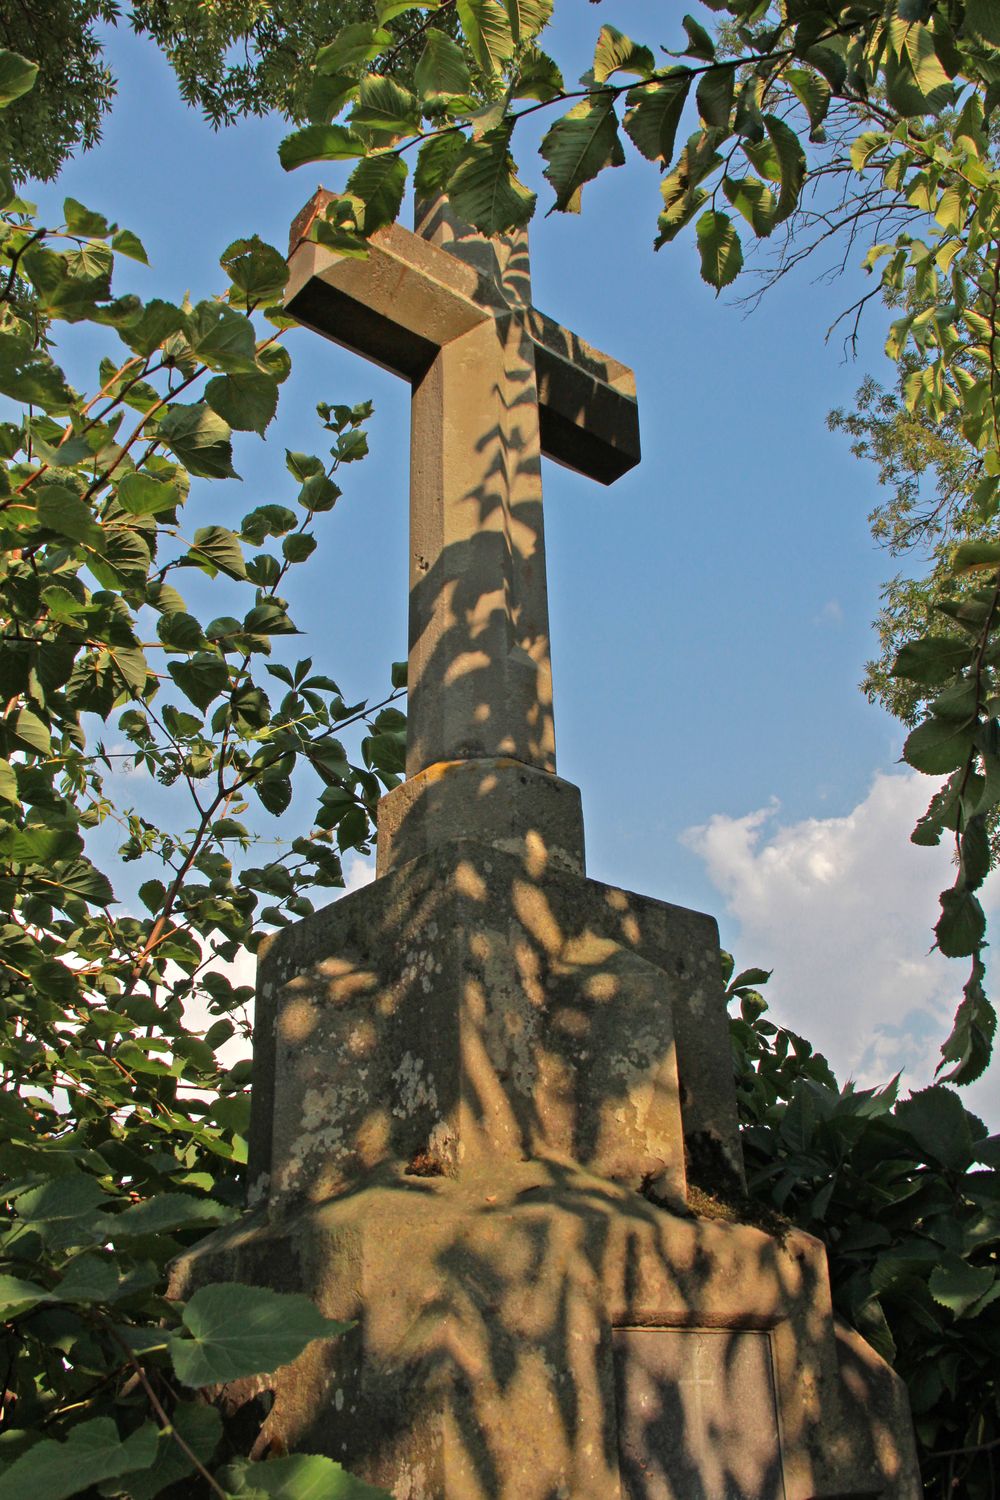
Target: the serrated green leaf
(352, 47)
(80, 220)
(982, 22)
(17, 1297)
(488, 31)
(319, 143)
(938, 745)
(379, 181)
(932, 659)
(297, 547)
(63, 512)
(484, 190)
(257, 269)
(124, 242)
(17, 76)
(715, 94)
(956, 1284)
(441, 72)
(617, 53)
(754, 200)
(527, 18)
(142, 495)
(233, 1331)
(580, 145)
(247, 402)
(720, 249)
(92, 1452)
(200, 439)
(202, 679)
(436, 161)
(962, 925)
(222, 338)
(303, 1477)
(386, 107)
(654, 114)
(220, 548)
(813, 93)
(700, 44)
(792, 164)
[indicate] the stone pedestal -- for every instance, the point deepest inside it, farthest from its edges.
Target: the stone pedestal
(480, 1087)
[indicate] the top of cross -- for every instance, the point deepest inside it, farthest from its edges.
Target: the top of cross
(495, 385)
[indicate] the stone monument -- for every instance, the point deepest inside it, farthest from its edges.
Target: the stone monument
(483, 1084)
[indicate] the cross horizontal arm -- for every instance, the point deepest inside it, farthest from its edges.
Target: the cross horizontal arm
(409, 299)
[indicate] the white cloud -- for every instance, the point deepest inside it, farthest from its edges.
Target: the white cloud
(843, 910)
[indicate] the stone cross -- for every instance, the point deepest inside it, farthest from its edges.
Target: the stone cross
(495, 385)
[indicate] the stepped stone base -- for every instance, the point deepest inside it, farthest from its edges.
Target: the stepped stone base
(546, 1333)
(480, 1088)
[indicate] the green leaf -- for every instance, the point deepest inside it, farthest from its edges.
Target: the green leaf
(355, 45)
(142, 495)
(386, 107)
(26, 726)
(956, 1284)
(17, 76)
(18, 1297)
(257, 269)
(80, 220)
(938, 745)
(92, 1452)
(234, 1331)
(298, 547)
(202, 679)
(247, 402)
(962, 925)
(124, 242)
(700, 44)
(715, 96)
(220, 548)
(165, 1213)
(617, 53)
(484, 189)
(319, 143)
(932, 659)
(441, 72)
(968, 557)
(982, 22)
(61, 511)
(527, 18)
(938, 1121)
(436, 161)
(200, 439)
(813, 93)
(580, 145)
(223, 338)
(302, 1477)
(8, 782)
(720, 249)
(654, 114)
(488, 32)
(200, 1427)
(538, 77)
(379, 181)
(792, 162)
(754, 200)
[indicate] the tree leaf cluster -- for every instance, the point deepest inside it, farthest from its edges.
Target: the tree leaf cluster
(141, 631)
(905, 1194)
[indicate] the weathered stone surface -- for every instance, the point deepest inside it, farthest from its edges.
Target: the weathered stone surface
(495, 385)
(482, 1364)
(697, 1413)
(501, 804)
(474, 1006)
(480, 1084)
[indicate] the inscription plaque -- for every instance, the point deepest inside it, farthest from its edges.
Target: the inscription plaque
(697, 1416)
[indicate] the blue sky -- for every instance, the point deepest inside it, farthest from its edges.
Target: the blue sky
(710, 612)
